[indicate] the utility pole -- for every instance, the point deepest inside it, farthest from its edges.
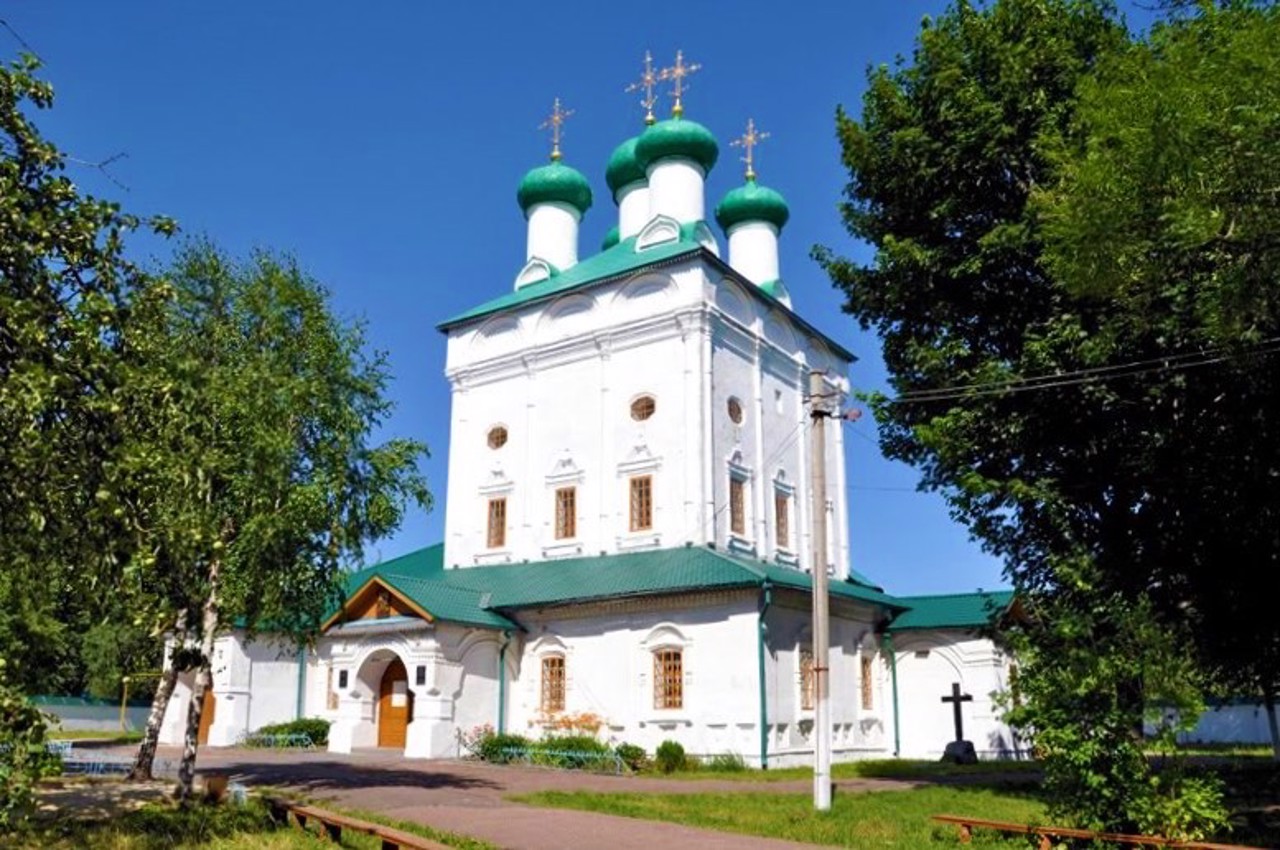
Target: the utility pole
(821, 618)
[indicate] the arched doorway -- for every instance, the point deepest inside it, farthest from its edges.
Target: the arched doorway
(395, 705)
(206, 717)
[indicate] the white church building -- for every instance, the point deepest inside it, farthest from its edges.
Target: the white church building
(628, 522)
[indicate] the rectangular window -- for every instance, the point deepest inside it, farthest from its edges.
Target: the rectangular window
(782, 519)
(738, 506)
(668, 678)
(642, 503)
(552, 684)
(868, 695)
(566, 513)
(497, 537)
(808, 684)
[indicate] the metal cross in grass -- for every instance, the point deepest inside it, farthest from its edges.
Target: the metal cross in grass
(955, 699)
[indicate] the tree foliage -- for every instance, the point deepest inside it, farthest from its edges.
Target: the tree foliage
(64, 292)
(1074, 275)
(253, 475)
(24, 760)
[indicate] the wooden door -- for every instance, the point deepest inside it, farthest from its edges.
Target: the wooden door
(206, 717)
(395, 706)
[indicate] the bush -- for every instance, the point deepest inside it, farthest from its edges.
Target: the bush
(313, 727)
(634, 757)
(23, 757)
(491, 747)
(670, 757)
(725, 763)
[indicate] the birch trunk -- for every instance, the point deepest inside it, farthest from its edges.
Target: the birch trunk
(203, 680)
(142, 763)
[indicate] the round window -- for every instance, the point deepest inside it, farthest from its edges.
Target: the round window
(497, 437)
(735, 410)
(643, 407)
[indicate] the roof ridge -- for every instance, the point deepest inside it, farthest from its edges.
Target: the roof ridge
(956, 594)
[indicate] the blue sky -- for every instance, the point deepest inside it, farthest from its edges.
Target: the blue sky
(381, 144)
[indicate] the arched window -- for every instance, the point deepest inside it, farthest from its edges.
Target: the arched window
(643, 407)
(668, 677)
(552, 696)
(497, 437)
(808, 683)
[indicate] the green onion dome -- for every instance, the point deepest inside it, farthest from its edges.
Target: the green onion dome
(677, 137)
(752, 202)
(610, 239)
(623, 169)
(554, 181)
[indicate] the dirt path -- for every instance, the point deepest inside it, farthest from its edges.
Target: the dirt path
(468, 798)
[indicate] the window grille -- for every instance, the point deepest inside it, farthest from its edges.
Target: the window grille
(641, 503)
(668, 678)
(497, 536)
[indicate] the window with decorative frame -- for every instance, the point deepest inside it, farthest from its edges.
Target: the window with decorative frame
(808, 680)
(782, 519)
(668, 678)
(566, 513)
(552, 698)
(868, 692)
(641, 502)
(497, 532)
(738, 505)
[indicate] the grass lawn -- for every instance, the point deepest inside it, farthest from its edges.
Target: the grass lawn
(882, 768)
(160, 826)
(883, 820)
(116, 737)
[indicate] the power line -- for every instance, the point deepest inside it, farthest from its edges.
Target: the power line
(1174, 362)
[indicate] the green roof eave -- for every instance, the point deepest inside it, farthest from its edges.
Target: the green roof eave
(966, 611)
(619, 261)
(622, 260)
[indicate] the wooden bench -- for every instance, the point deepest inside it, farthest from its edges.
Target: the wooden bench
(967, 826)
(333, 824)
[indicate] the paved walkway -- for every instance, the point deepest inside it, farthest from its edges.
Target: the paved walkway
(468, 798)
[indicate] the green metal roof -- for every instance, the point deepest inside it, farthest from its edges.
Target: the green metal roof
(554, 181)
(478, 595)
(752, 202)
(952, 611)
(621, 259)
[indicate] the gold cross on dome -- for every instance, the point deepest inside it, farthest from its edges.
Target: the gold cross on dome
(647, 81)
(748, 141)
(554, 123)
(676, 74)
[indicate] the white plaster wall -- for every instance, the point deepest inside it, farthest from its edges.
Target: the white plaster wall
(857, 732)
(676, 190)
(633, 208)
(560, 377)
(928, 662)
(254, 684)
(1236, 722)
(609, 670)
(553, 234)
(753, 251)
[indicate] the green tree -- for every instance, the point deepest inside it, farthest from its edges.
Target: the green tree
(1076, 482)
(64, 289)
(24, 760)
(251, 409)
(1163, 223)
